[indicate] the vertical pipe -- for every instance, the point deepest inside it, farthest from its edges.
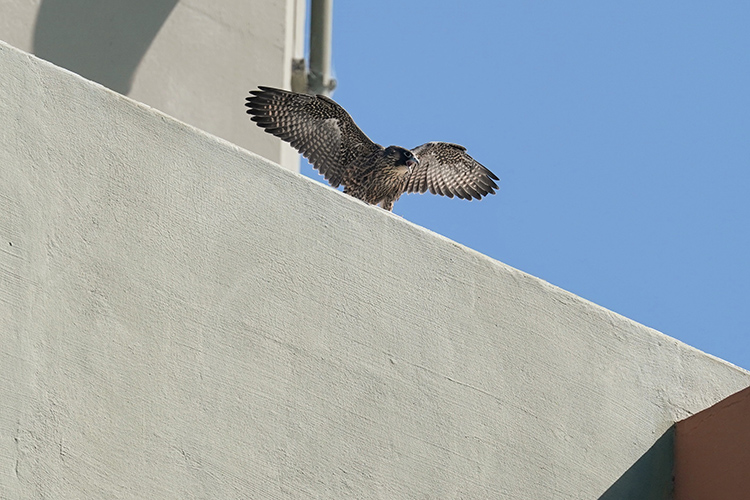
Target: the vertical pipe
(321, 25)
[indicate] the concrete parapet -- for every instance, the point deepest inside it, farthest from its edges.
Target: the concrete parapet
(182, 318)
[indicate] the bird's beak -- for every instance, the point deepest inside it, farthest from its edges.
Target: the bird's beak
(411, 163)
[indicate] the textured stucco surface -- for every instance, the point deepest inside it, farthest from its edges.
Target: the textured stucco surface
(192, 59)
(180, 318)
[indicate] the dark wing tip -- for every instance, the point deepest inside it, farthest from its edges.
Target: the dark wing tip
(260, 99)
(263, 92)
(262, 89)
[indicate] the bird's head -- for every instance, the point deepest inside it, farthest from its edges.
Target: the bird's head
(401, 157)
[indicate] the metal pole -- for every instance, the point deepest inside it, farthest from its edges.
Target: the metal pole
(321, 25)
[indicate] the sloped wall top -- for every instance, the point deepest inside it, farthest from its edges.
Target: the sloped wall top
(180, 317)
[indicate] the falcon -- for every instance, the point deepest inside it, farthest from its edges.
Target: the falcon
(324, 133)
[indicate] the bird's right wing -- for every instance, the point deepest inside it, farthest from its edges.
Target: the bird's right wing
(316, 126)
(448, 170)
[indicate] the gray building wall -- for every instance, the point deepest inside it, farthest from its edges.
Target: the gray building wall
(192, 59)
(180, 318)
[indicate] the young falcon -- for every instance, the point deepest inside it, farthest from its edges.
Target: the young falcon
(324, 133)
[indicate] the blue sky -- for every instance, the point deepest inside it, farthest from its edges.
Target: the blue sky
(620, 132)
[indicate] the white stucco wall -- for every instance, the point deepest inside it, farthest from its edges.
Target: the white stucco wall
(192, 59)
(180, 318)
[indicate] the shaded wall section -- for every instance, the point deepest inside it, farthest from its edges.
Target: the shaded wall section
(650, 477)
(712, 452)
(180, 318)
(191, 59)
(101, 40)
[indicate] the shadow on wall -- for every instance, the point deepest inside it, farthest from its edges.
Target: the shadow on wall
(651, 477)
(102, 40)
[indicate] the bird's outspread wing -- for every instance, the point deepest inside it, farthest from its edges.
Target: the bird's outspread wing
(446, 169)
(317, 127)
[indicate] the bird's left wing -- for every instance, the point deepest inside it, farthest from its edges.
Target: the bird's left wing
(447, 169)
(316, 126)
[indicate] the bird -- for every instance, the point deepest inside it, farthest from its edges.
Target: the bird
(324, 133)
